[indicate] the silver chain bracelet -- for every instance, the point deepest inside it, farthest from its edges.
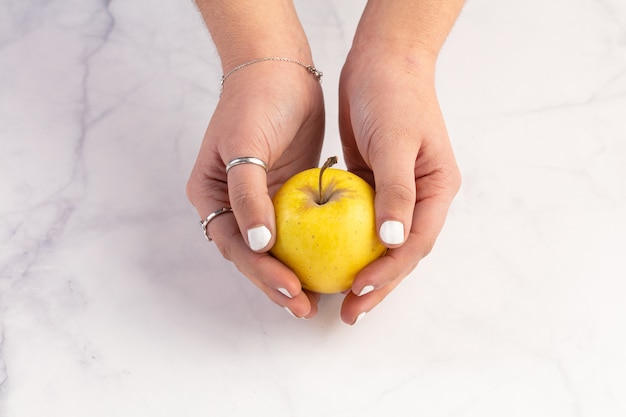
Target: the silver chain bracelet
(317, 74)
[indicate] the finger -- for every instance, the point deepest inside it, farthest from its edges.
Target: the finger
(272, 277)
(314, 299)
(266, 272)
(355, 308)
(207, 191)
(250, 200)
(379, 278)
(393, 166)
(428, 219)
(278, 282)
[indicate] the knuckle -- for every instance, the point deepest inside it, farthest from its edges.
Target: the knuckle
(226, 250)
(244, 197)
(398, 193)
(226, 245)
(192, 184)
(200, 187)
(451, 177)
(421, 246)
(457, 180)
(192, 189)
(427, 248)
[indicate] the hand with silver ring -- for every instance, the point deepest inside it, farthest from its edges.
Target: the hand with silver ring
(267, 126)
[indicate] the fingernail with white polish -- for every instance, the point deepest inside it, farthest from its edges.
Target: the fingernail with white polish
(259, 237)
(392, 232)
(284, 292)
(359, 318)
(366, 290)
(291, 313)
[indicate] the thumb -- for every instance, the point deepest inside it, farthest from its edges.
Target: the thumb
(250, 201)
(394, 177)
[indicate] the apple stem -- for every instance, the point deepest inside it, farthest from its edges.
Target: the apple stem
(329, 163)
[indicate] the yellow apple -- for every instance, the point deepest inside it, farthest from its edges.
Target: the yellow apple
(326, 227)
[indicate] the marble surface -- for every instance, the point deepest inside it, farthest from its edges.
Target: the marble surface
(112, 303)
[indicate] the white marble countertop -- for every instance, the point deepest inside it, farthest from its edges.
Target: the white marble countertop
(112, 303)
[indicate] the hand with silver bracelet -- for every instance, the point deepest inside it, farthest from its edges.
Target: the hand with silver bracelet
(267, 126)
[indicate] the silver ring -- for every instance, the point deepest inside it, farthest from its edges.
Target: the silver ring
(205, 222)
(246, 160)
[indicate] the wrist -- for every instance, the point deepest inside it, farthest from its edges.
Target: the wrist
(242, 48)
(389, 61)
(414, 29)
(244, 30)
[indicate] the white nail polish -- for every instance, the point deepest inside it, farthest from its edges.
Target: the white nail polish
(359, 318)
(284, 292)
(291, 313)
(259, 237)
(392, 232)
(366, 290)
